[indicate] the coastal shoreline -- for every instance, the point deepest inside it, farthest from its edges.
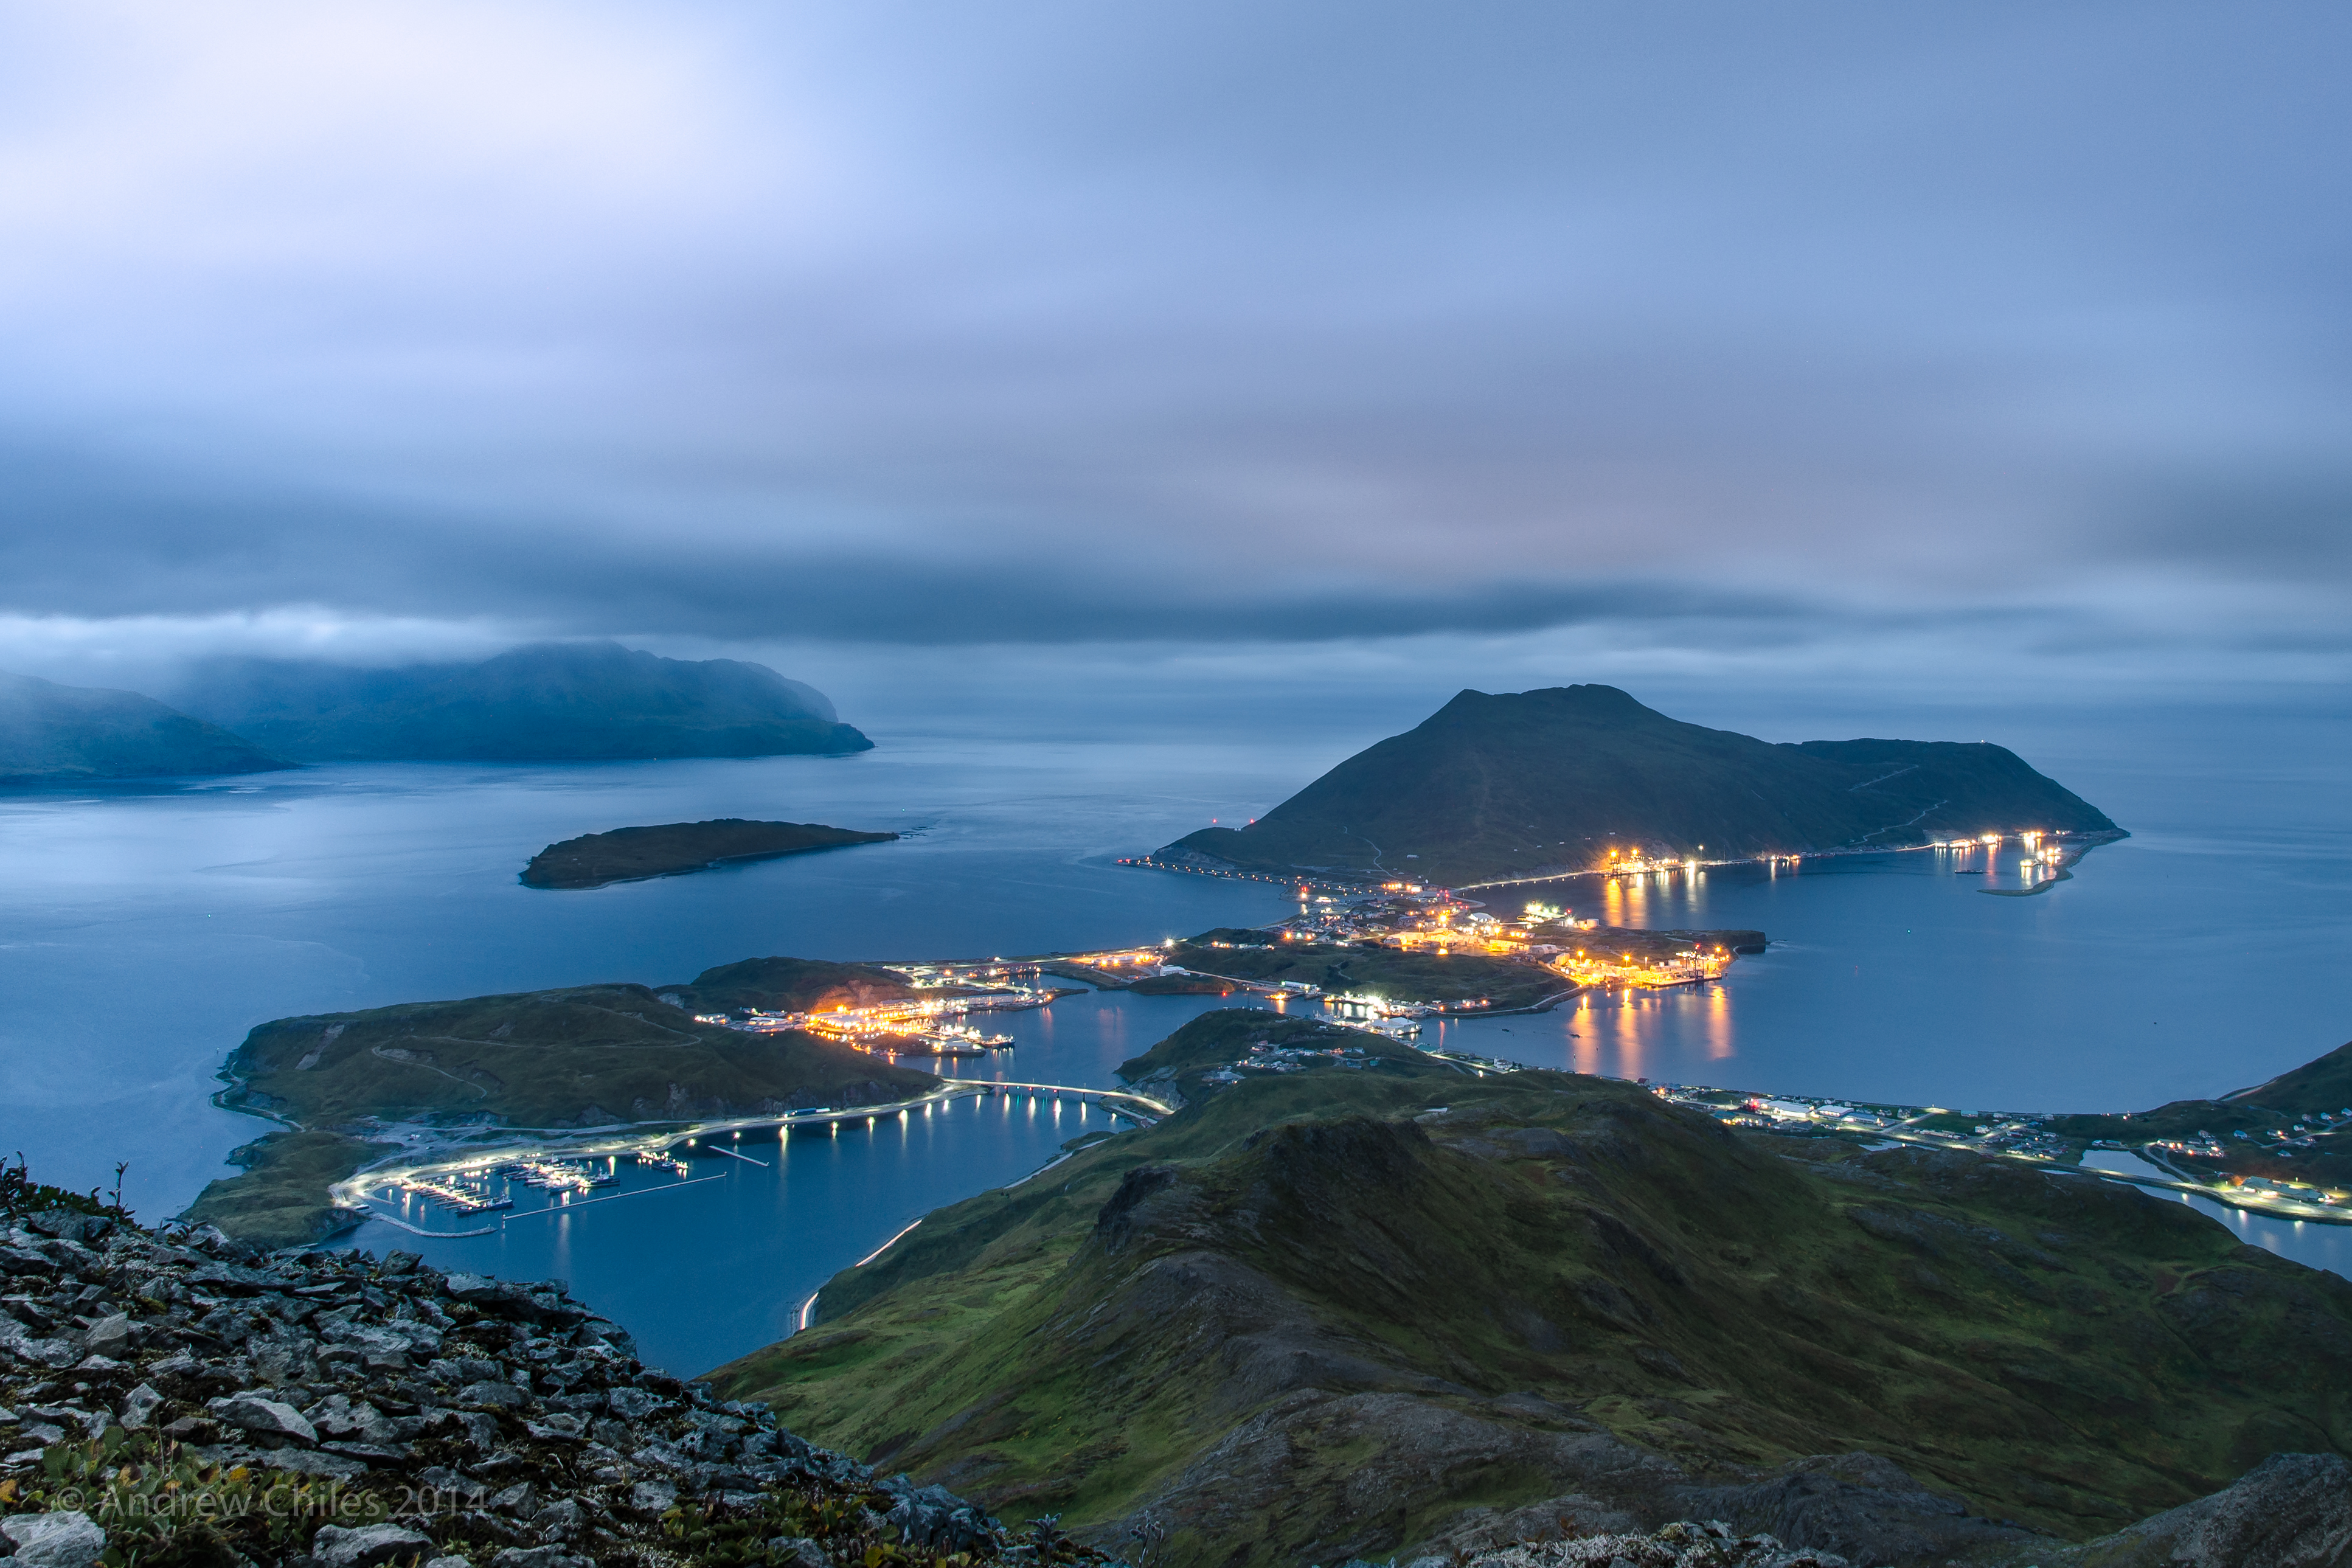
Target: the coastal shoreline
(1370, 881)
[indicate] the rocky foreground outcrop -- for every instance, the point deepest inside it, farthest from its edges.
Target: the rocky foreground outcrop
(172, 1397)
(2292, 1510)
(175, 1397)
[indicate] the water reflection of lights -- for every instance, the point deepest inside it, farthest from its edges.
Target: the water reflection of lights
(1628, 1033)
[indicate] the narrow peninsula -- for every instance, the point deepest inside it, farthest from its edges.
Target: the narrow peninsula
(634, 854)
(584, 1055)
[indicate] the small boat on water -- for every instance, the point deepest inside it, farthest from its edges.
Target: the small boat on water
(932, 1046)
(966, 1035)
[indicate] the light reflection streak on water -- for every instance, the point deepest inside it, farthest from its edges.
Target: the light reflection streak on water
(2317, 1246)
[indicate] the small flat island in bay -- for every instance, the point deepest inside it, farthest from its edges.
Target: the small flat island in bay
(632, 854)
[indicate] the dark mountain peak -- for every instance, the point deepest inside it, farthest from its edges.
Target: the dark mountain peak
(1536, 783)
(1591, 703)
(1592, 709)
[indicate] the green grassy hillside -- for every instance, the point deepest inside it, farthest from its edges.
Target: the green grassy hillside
(588, 1055)
(582, 1056)
(52, 733)
(1174, 1068)
(1318, 1316)
(2251, 1126)
(2317, 1086)
(1229, 1031)
(1535, 781)
(279, 1198)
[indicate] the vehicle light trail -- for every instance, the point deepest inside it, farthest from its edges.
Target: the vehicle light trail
(878, 1251)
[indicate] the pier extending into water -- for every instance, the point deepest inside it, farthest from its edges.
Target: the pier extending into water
(365, 1193)
(1140, 1109)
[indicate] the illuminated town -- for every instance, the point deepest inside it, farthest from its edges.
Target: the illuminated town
(923, 1025)
(1556, 953)
(2030, 1138)
(1403, 916)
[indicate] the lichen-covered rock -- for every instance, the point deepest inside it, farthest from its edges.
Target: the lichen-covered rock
(1682, 1544)
(935, 1518)
(2292, 1510)
(53, 1539)
(260, 1417)
(367, 1546)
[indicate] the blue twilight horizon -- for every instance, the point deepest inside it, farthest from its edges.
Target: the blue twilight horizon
(1985, 352)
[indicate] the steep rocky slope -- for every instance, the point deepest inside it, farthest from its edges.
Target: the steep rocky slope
(174, 1398)
(169, 1398)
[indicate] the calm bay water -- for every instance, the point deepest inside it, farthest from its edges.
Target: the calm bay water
(2167, 968)
(145, 931)
(736, 1255)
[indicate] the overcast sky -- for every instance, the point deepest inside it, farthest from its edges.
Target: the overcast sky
(1555, 339)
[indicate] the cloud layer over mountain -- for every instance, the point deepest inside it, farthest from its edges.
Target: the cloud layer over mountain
(437, 325)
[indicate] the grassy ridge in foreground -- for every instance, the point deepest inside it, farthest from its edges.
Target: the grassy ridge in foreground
(1274, 1306)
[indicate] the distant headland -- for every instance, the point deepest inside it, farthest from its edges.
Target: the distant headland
(75, 734)
(544, 702)
(1572, 778)
(592, 702)
(634, 854)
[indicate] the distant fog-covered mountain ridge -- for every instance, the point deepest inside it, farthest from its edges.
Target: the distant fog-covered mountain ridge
(1537, 782)
(63, 734)
(542, 702)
